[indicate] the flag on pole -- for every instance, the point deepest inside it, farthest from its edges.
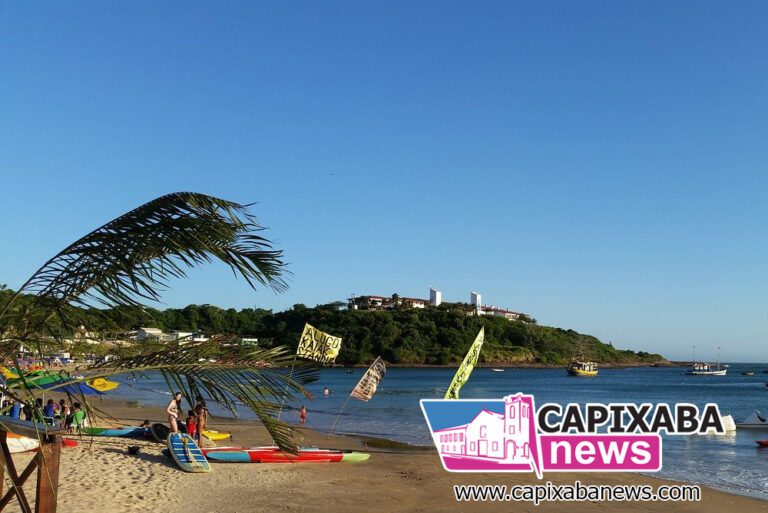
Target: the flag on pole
(366, 387)
(318, 346)
(465, 369)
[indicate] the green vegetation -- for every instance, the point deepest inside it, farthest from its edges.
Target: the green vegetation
(431, 336)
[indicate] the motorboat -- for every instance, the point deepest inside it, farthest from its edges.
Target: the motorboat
(762, 443)
(748, 373)
(581, 369)
(706, 369)
(755, 421)
(497, 370)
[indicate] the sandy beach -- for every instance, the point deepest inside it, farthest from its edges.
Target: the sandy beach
(100, 476)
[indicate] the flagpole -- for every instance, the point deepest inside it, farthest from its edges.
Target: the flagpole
(338, 414)
(285, 392)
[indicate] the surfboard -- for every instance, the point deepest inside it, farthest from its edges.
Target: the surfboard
(18, 443)
(186, 453)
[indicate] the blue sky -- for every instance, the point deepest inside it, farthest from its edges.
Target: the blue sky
(598, 165)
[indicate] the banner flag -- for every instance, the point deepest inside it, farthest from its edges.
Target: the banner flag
(318, 346)
(366, 387)
(465, 369)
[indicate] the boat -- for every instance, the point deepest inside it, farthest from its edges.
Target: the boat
(754, 421)
(186, 453)
(272, 454)
(497, 370)
(762, 443)
(705, 369)
(748, 373)
(583, 369)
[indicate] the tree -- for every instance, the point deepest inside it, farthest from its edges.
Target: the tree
(129, 260)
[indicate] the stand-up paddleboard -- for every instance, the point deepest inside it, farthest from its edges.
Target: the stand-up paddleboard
(18, 443)
(160, 432)
(187, 454)
(271, 454)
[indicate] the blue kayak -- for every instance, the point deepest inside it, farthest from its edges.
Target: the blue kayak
(134, 432)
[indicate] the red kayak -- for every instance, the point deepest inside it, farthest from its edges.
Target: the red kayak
(271, 454)
(762, 443)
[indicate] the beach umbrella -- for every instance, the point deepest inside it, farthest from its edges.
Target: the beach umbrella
(70, 388)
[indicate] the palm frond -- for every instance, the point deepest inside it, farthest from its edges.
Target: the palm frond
(258, 379)
(132, 257)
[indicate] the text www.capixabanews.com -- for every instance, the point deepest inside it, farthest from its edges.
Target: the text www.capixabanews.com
(575, 492)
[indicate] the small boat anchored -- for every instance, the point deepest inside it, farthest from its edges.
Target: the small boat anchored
(497, 370)
(581, 369)
(705, 369)
(698, 368)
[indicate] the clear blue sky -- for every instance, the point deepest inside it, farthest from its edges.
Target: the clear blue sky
(598, 165)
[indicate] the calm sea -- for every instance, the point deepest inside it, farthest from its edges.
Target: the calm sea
(732, 462)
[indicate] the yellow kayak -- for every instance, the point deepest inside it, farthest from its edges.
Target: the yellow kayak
(102, 384)
(211, 434)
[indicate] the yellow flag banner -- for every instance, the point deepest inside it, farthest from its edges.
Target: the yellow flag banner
(367, 385)
(465, 369)
(318, 346)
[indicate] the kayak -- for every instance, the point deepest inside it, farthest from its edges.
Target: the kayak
(214, 435)
(160, 432)
(135, 432)
(762, 443)
(271, 454)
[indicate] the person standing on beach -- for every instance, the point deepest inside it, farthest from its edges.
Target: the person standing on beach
(173, 409)
(201, 414)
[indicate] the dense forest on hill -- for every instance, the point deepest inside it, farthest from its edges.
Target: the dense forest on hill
(432, 336)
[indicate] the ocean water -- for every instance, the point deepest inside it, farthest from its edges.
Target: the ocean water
(731, 462)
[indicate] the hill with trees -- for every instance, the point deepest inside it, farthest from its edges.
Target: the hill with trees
(431, 336)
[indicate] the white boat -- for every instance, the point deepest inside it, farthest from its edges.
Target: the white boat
(754, 421)
(706, 369)
(497, 370)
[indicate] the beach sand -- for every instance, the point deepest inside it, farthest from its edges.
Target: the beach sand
(100, 476)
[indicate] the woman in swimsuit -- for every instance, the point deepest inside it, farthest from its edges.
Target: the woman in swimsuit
(173, 412)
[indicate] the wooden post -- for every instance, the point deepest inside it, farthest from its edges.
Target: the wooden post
(48, 475)
(46, 461)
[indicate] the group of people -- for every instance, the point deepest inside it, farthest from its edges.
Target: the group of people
(73, 417)
(197, 418)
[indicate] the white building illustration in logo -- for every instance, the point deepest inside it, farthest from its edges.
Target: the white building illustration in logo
(493, 437)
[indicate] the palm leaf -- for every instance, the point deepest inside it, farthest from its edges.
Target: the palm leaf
(131, 258)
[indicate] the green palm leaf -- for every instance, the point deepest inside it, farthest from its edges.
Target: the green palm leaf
(131, 259)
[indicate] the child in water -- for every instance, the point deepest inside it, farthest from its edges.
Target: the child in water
(302, 415)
